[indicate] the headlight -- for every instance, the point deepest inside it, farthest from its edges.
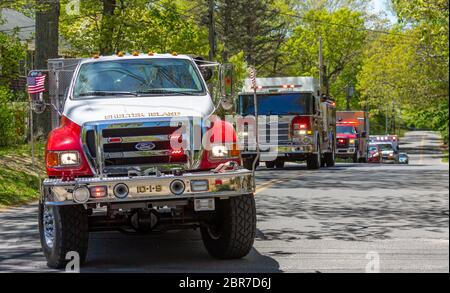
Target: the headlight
(222, 152)
(63, 159)
(69, 158)
(219, 151)
(352, 141)
(243, 134)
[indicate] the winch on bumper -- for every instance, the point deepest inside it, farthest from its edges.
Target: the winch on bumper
(223, 184)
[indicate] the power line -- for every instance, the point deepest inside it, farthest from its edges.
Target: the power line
(17, 28)
(346, 25)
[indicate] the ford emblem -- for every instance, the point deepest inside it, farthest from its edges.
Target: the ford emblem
(145, 146)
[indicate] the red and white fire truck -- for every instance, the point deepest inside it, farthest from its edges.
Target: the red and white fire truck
(130, 155)
(352, 129)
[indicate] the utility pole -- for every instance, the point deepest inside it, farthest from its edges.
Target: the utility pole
(321, 77)
(394, 127)
(387, 120)
(212, 30)
(350, 93)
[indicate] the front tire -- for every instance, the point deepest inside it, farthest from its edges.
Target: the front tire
(279, 164)
(355, 157)
(314, 161)
(63, 229)
(231, 233)
(270, 164)
(330, 159)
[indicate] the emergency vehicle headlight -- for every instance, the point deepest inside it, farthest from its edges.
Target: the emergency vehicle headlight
(69, 158)
(299, 132)
(63, 159)
(222, 151)
(351, 141)
(219, 151)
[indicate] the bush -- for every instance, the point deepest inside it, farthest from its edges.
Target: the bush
(13, 117)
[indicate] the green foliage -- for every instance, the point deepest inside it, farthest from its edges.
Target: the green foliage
(342, 47)
(12, 51)
(135, 25)
(407, 70)
(12, 118)
(19, 181)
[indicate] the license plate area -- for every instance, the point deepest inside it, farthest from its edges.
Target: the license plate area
(149, 189)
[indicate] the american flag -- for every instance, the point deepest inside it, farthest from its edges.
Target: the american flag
(36, 84)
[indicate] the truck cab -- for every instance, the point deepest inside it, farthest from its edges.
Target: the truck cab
(352, 129)
(138, 149)
(296, 122)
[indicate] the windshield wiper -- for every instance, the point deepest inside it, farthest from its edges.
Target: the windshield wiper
(107, 93)
(163, 91)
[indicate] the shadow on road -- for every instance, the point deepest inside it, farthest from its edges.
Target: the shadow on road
(180, 252)
(400, 199)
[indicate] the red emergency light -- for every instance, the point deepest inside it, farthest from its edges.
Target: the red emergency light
(347, 122)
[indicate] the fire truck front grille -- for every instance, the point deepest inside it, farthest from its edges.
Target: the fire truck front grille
(272, 134)
(139, 146)
(114, 148)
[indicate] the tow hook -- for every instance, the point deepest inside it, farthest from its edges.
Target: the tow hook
(144, 220)
(228, 166)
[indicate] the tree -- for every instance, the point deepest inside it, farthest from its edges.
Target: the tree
(343, 35)
(409, 66)
(130, 25)
(47, 44)
(252, 26)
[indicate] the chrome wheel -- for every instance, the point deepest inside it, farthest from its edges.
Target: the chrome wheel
(48, 221)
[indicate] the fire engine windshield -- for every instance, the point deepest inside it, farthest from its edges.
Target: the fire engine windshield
(277, 104)
(345, 129)
(138, 77)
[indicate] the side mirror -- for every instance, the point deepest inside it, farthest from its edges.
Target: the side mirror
(227, 86)
(206, 72)
(364, 134)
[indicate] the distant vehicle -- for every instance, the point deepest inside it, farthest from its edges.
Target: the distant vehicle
(306, 122)
(388, 152)
(386, 138)
(374, 153)
(403, 158)
(352, 128)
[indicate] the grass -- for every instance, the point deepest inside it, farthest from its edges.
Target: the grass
(19, 179)
(445, 157)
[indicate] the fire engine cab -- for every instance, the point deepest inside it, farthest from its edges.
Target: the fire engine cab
(352, 132)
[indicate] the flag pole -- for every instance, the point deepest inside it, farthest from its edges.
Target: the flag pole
(31, 130)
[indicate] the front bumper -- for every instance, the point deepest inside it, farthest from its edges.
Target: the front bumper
(345, 151)
(283, 150)
(151, 188)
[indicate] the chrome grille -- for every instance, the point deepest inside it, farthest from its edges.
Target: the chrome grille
(118, 148)
(275, 133)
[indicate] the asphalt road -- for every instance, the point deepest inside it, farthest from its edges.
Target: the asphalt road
(350, 218)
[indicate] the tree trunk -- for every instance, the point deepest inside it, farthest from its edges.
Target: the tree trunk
(46, 44)
(107, 27)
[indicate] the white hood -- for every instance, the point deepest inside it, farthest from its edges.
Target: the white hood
(117, 108)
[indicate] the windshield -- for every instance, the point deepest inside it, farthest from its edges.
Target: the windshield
(385, 147)
(345, 129)
(138, 77)
(373, 149)
(277, 104)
